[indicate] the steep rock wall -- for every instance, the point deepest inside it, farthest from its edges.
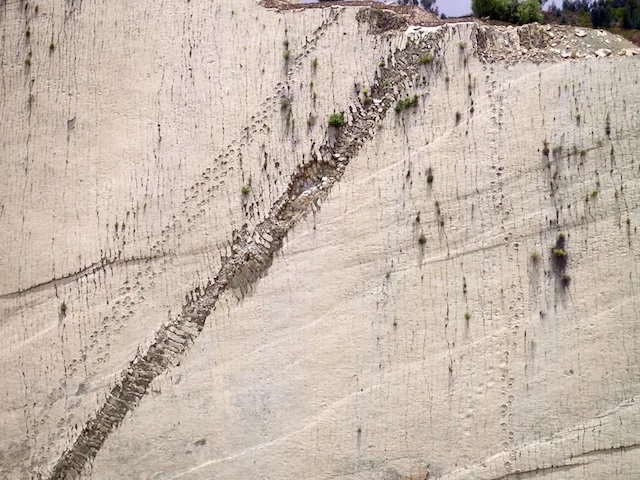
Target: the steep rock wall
(408, 328)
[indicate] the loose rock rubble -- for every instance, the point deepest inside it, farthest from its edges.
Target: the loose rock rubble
(540, 43)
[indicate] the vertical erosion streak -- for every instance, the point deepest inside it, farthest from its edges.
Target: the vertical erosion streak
(253, 254)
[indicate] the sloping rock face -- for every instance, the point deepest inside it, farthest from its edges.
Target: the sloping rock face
(202, 279)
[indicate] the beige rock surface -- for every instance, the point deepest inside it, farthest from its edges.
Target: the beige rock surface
(404, 329)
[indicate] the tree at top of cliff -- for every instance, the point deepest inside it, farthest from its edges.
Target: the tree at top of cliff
(514, 11)
(598, 13)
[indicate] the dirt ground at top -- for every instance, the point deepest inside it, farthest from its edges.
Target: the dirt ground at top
(412, 14)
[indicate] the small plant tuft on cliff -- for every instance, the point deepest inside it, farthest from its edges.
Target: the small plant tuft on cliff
(535, 257)
(425, 59)
(558, 250)
(314, 63)
(336, 120)
(407, 102)
(422, 239)
(565, 280)
(63, 309)
(458, 118)
(245, 190)
(559, 255)
(52, 47)
(366, 97)
(467, 316)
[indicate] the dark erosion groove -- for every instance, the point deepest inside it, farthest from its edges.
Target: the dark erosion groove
(253, 253)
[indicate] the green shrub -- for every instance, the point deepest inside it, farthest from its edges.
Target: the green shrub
(245, 190)
(366, 97)
(467, 316)
(63, 308)
(425, 59)
(515, 11)
(422, 239)
(407, 102)
(529, 11)
(559, 252)
(336, 120)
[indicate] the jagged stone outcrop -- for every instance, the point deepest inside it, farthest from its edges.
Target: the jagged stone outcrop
(405, 296)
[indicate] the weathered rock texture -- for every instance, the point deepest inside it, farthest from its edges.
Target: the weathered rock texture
(200, 279)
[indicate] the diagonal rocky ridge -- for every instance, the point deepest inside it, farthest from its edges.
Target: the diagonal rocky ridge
(253, 254)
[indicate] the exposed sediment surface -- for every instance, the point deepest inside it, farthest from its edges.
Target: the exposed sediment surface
(202, 279)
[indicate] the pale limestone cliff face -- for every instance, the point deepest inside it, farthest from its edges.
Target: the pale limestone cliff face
(362, 321)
